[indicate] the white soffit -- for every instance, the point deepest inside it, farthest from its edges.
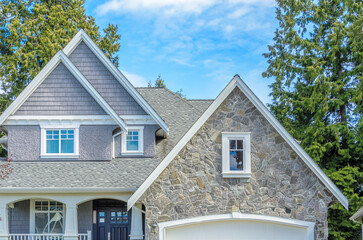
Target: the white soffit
(82, 35)
(237, 82)
(42, 75)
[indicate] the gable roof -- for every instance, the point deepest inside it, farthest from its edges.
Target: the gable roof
(42, 75)
(82, 36)
(237, 82)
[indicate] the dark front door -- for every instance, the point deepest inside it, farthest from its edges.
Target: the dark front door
(112, 223)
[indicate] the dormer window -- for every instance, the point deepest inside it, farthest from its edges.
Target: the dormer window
(133, 141)
(236, 155)
(59, 142)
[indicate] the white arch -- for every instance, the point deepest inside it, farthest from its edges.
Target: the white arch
(237, 216)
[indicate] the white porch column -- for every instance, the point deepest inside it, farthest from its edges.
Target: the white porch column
(71, 222)
(4, 227)
(136, 224)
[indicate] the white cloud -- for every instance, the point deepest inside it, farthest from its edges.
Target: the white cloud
(169, 7)
(136, 80)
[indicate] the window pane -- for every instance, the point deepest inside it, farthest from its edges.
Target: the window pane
(240, 144)
(41, 222)
(38, 206)
(52, 206)
(52, 146)
(232, 144)
(56, 222)
(236, 160)
(132, 145)
(67, 146)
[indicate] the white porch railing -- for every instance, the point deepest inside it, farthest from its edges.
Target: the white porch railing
(35, 236)
(85, 236)
(81, 236)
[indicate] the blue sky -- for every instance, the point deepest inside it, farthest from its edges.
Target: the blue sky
(195, 45)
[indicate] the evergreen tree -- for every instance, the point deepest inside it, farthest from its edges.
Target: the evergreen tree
(33, 31)
(316, 62)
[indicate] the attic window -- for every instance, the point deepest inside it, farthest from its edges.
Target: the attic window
(236, 155)
(133, 141)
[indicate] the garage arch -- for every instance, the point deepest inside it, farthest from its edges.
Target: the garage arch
(236, 226)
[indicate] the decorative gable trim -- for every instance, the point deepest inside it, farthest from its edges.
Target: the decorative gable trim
(49, 67)
(237, 82)
(82, 35)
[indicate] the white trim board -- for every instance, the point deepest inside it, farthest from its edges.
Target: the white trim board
(77, 119)
(237, 82)
(309, 226)
(49, 67)
(82, 35)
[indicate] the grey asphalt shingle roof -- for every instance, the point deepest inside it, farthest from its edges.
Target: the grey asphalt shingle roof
(121, 173)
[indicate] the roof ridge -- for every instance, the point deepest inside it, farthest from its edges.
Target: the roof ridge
(207, 99)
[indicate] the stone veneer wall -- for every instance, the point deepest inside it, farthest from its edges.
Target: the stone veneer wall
(281, 183)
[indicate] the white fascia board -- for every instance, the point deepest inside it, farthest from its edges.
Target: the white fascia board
(23, 96)
(49, 67)
(82, 35)
(180, 145)
(293, 144)
(87, 85)
(77, 119)
(358, 215)
(237, 82)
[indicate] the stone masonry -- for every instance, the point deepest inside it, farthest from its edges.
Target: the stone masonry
(281, 183)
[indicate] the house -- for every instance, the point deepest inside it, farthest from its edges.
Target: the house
(358, 218)
(95, 158)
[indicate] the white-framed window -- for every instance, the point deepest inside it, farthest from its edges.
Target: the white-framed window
(60, 142)
(236, 155)
(132, 142)
(46, 217)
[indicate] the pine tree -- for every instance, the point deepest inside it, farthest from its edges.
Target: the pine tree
(32, 32)
(316, 62)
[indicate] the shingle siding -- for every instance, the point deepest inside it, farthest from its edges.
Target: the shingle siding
(104, 82)
(60, 94)
(19, 217)
(85, 217)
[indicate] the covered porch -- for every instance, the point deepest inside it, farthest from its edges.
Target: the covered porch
(77, 216)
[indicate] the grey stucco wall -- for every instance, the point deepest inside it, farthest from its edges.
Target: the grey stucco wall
(95, 142)
(19, 217)
(281, 184)
(23, 142)
(85, 217)
(104, 82)
(149, 142)
(60, 94)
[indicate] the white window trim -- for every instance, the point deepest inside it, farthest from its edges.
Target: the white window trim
(140, 129)
(44, 153)
(32, 214)
(246, 172)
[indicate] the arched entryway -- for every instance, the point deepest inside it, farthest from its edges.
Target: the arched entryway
(111, 220)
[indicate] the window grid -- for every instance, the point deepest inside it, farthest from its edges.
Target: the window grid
(54, 212)
(236, 155)
(64, 145)
(132, 141)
